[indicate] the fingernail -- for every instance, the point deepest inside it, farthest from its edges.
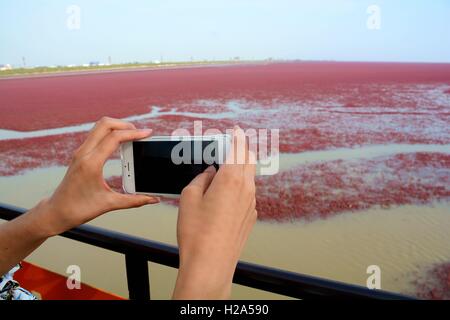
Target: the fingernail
(153, 200)
(146, 131)
(210, 169)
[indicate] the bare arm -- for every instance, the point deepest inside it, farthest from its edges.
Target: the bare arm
(21, 236)
(82, 195)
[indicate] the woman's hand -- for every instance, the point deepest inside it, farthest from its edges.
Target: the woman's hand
(216, 215)
(83, 193)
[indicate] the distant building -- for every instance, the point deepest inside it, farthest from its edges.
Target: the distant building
(94, 63)
(156, 61)
(5, 67)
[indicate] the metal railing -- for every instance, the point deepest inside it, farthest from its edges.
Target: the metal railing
(138, 252)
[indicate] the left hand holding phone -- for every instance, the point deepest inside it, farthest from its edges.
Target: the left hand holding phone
(83, 193)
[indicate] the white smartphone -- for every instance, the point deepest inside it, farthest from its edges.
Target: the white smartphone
(164, 165)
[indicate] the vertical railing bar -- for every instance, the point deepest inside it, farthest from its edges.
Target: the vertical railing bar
(137, 277)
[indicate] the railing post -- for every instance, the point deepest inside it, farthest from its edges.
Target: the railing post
(137, 277)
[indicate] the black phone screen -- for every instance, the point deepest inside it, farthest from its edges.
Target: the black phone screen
(156, 172)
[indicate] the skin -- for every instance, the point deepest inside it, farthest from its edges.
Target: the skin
(82, 195)
(216, 214)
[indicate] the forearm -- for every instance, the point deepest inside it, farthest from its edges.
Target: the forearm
(21, 236)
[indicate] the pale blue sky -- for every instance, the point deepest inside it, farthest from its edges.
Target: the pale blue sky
(137, 30)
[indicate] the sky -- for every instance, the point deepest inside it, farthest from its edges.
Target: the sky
(61, 32)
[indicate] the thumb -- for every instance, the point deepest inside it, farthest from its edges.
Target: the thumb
(125, 201)
(203, 180)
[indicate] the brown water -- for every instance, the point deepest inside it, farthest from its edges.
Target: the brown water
(403, 241)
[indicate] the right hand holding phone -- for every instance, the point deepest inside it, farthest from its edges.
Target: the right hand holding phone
(217, 212)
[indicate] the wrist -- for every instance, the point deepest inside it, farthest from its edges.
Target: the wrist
(43, 219)
(204, 279)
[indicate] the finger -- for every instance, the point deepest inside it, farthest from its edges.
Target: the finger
(112, 141)
(102, 128)
(202, 182)
(252, 206)
(250, 166)
(231, 173)
(247, 226)
(237, 154)
(250, 160)
(125, 201)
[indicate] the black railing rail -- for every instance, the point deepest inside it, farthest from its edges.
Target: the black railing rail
(138, 252)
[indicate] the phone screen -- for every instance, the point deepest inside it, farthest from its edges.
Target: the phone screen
(155, 170)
